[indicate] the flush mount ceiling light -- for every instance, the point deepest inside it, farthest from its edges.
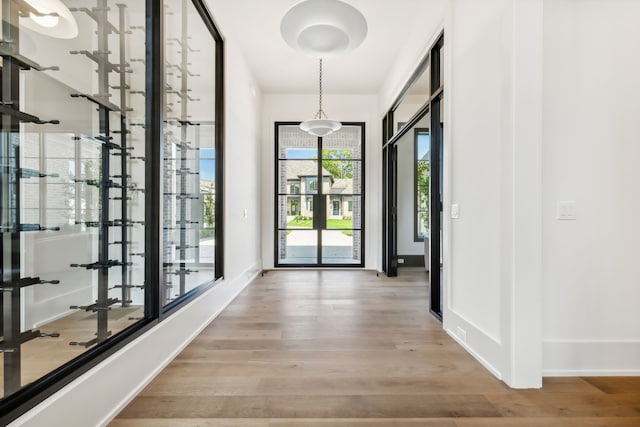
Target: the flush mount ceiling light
(323, 27)
(49, 17)
(319, 126)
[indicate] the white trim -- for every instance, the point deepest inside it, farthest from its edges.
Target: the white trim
(591, 357)
(590, 373)
(477, 356)
(478, 329)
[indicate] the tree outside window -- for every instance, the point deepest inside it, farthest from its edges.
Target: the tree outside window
(422, 181)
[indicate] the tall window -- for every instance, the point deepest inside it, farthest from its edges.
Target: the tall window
(72, 182)
(108, 147)
(422, 143)
(312, 184)
(191, 191)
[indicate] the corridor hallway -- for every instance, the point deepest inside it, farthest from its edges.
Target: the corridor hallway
(348, 348)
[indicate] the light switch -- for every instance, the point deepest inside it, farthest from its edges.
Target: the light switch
(566, 210)
(455, 211)
(245, 213)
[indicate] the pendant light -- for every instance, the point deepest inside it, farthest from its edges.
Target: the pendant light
(319, 126)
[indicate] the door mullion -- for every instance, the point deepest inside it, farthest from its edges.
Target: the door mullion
(320, 208)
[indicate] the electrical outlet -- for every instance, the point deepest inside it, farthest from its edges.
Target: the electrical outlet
(462, 334)
(400, 260)
(566, 210)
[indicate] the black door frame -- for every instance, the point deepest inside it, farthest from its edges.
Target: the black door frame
(320, 204)
(389, 176)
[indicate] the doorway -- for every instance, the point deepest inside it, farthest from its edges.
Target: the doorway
(412, 167)
(319, 197)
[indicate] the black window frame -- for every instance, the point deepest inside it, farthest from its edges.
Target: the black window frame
(27, 397)
(311, 196)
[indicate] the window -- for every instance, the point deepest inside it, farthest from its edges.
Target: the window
(350, 206)
(191, 187)
(422, 142)
(336, 208)
(293, 207)
(312, 184)
(84, 175)
(71, 190)
(294, 188)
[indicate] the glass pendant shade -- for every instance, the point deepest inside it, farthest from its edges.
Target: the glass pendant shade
(320, 127)
(51, 18)
(323, 28)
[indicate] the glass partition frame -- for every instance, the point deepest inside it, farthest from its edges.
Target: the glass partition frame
(87, 170)
(433, 63)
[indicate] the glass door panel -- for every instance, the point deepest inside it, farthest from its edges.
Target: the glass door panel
(298, 247)
(341, 247)
(318, 201)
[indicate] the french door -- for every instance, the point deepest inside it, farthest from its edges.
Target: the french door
(319, 191)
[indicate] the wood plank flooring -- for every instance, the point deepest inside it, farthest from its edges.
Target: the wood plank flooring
(42, 355)
(347, 348)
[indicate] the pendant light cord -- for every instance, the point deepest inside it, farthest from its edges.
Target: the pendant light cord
(320, 111)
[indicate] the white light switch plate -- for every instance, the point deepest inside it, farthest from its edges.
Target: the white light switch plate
(455, 211)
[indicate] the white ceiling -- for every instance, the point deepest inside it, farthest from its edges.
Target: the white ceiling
(254, 25)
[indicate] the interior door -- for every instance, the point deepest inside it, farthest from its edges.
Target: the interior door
(319, 197)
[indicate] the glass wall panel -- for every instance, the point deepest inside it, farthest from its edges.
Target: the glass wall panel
(189, 176)
(422, 156)
(413, 100)
(71, 181)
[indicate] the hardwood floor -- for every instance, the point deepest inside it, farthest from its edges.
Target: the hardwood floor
(42, 355)
(347, 348)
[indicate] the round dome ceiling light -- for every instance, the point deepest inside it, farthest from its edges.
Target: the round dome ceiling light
(323, 27)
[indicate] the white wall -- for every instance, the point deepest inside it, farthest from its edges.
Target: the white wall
(524, 291)
(492, 265)
(433, 15)
(243, 165)
(591, 316)
(129, 370)
(492, 170)
(346, 108)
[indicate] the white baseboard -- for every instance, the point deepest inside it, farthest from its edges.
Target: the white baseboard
(96, 397)
(476, 355)
(482, 346)
(591, 358)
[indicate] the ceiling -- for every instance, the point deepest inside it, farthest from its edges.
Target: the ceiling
(254, 25)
